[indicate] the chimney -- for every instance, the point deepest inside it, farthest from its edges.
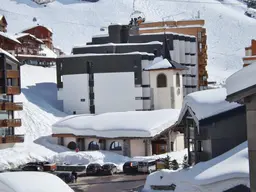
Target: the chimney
(125, 29)
(114, 31)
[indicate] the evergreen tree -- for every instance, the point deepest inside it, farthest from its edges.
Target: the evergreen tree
(174, 164)
(167, 162)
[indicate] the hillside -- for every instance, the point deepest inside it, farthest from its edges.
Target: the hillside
(74, 22)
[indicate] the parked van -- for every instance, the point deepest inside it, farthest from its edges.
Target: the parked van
(147, 166)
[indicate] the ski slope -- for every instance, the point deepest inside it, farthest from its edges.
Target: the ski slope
(75, 22)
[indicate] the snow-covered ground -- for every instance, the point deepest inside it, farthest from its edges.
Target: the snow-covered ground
(219, 174)
(75, 22)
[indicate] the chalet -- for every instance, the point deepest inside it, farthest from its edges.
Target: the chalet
(10, 86)
(8, 42)
(250, 54)
(3, 24)
(131, 133)
(189, 27)
(241, 88)
(211, 125)
(30, 51)
(43, 33)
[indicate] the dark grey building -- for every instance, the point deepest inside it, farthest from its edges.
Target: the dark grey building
(214, 135)
(183, 49)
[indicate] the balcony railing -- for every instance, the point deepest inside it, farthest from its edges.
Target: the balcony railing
(9, 106)
(10, 74)
(10, 123)
(12, 139)
(11, 90)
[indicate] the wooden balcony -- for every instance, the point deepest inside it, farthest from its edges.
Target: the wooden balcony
(9, 106)
(10, 74)
(11, 90)
(12, 139)
(10, 123)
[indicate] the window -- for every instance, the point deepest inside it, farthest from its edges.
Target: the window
(82, 100)
(72, 145)
(199, 146)
(74, 112)
(199, 36)
(177, 80)
(116, 146)
(172, 146)
(161, 80)
(93, 145)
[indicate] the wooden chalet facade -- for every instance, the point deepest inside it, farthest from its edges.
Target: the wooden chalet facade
(9, 86)
(42, 33)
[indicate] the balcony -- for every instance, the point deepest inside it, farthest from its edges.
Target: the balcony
(9, 106)
(11, 90)
(12, 139)
(10, 74)
(10, 123)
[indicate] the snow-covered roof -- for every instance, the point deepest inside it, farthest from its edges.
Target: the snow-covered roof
(170, 33)
(49, 29)
(242, 79)
(46, 52)
(119, 44)
(20, 35)
(32, 182)
(100, 35)
(219, 174)
(106, 54)
(118, 124)
(8, 54)
(207, 103)
(163, 64)
(9, 36)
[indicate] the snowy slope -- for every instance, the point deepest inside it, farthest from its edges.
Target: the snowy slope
(40, 105)
(74, 22)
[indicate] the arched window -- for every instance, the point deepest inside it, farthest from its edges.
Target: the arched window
(161, 80)
(177, 80)
(93, 145)
(72, 145)
(115, 146)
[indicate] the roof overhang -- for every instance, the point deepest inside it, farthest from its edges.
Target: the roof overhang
(240, 95)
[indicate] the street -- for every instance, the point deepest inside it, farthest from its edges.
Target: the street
(115, 183)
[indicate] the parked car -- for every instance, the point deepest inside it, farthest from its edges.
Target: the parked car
(33, 168)
(67, 177)
(109, 169)
(93, 169)
(47, 166)
(147, 166)
(130, 167)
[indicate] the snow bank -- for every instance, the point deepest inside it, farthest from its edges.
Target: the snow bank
(178, 155)
(242, 79)
(118, 124)
(208, 103)
(32, 181)
(227, 170)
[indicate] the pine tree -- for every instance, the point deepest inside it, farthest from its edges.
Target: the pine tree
(174, 164)
(167, 162)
